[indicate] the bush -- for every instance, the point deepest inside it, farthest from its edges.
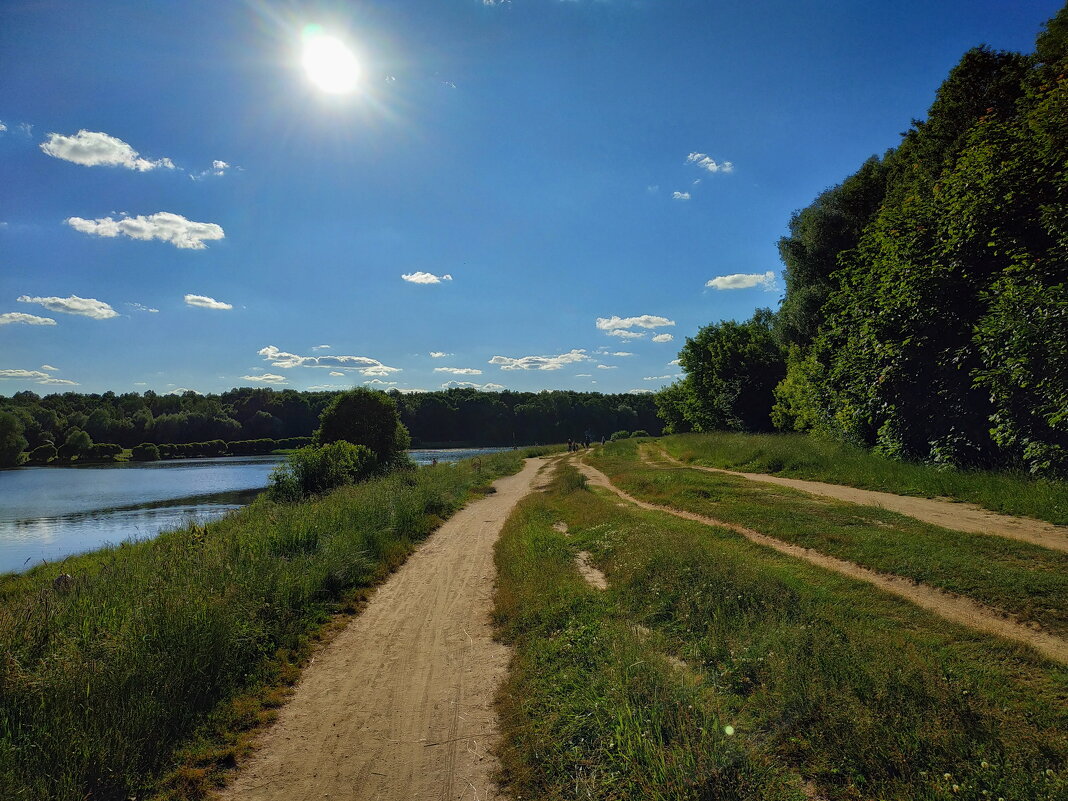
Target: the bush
(620, 435)
(251, 447)
(366, 417)
(291, 443)
(641, 432)
(145, 452)
(43, 454)
(315, 470)
(77, 443)
(103, 451)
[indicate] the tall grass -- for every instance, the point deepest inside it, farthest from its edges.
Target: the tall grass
(816, 675)
(150, 645)
(800, 456)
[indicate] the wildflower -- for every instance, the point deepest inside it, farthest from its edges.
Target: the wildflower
(947, 776)
(956, 788)
(985, 764)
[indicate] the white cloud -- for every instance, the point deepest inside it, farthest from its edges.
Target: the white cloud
(490, 387)
(425, 278)
(674, 363)
(10, 318)
(458, 370)
(663, 338)
(623, 333)
(440, 354)
(644, 321)
(59, 382)
(321, 347)
(22, 374)
(708, 163)
(639, 392)
(656, 378)
(183, 390)
(50, 368)
(540, 362)
(141, 307)
(324, 387)
(163, 225)
(622, 352)
(744, 281)
(364, 365)
(2, 127)
(219, 166)
(24, 128)
(583, 375)
(204, 302)
(84, 307)
(680, 195)
(377, 382)
(607, 366)
(266, 378)
(336, 373)
(94, 148)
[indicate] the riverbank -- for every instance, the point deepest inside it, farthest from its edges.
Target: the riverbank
(187, 641)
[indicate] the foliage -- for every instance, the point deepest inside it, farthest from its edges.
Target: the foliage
(78, 442)
(732, 369)
(103, 451)
(145, 452)
(618, 435)
(318, 469)
(369, 418)
(641, 432)
(12, 443)
(43, 454)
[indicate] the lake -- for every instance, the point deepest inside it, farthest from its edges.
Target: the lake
(47, 513)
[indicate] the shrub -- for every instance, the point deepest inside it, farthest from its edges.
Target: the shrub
(641, 432)
(618, 435)
(145, 452)
(365, 417)
(315, 470)
(77, 443)
(43, 454)
(103, 451)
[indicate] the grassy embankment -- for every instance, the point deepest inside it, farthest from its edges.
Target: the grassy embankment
(144, 677)
(1026, 580)
(790, 672)
(801, 456)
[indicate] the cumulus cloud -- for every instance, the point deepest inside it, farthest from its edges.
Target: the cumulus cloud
(321, 347)
(583, 375)
(378, 382)
(663, 338)
(656, 378)
(94, 148)
(744, 281)
(84, 307)
(204, 302)
(364, 365)
(707, 163)
(624, 352)
(680, 195)
(640, 392)
(22, 374)
(540, 362)
(59, 382)
(141, 307)
(218, 167)
(50, 368)
(458, 370)
(2, 127)
(266, 378)
(607, 366)
(623, 333)
(11, 318)
(183, 390)
(615, 323)
(489, 387)
(425, 278)
(163, 225)
(336, 373)
(439, 354)
(674, 363)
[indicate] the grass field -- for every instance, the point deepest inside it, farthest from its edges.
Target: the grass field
(1026, 580)
(801, 456)
(793, 680)
(143, 677)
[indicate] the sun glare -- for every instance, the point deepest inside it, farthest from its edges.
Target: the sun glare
(328, 61)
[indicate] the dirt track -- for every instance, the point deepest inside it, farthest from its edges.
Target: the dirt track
(965, 517)
(398, 706)
(951, 607)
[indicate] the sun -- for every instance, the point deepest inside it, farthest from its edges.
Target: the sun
(329, 63)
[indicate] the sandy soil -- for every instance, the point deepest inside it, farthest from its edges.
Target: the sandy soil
(594, 577)
(948, 514)
(399, 705)
(951, 607)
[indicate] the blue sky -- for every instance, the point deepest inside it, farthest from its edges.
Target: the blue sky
(581, 170)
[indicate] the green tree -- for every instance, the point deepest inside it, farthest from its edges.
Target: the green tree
(12, 443)
(365, 417)
(76, 443)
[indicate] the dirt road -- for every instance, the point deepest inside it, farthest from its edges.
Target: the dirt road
(959, 516)
(398, 706)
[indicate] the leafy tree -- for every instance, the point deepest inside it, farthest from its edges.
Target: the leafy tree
(43, 454)
(145, 452)
(365, 417)
(12, 443)
(76, 443)
(318, 469)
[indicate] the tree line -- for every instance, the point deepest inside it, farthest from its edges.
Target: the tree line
(74, 424)
(926, 305)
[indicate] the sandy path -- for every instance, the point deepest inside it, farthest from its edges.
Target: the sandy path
(958, 516)
(399, 704)
(951, 607)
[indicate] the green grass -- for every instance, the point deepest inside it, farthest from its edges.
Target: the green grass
(818, 676)
(1026, 580)
(144, 676)
(800, 456)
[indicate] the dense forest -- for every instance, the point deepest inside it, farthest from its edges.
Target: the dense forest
(77, 424)
(926, 304)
